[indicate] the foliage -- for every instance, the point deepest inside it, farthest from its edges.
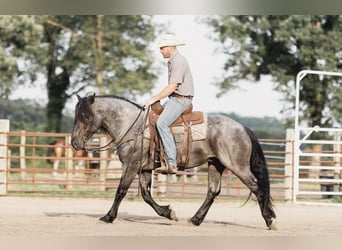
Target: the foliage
(282, 46)
(28, 115)
(19, 40)
(23, 114)
(265, 127)
(73, 53)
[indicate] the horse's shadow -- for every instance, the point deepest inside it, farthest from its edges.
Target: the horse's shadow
(152, 220)
(225, 223)
(70, 215)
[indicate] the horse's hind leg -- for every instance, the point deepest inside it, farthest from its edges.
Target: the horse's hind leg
(264, 199)
(214, 187)
(259, 186)
(145, 185)
(258, 169)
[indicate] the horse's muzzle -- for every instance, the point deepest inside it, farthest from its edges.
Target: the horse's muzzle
(76, 145)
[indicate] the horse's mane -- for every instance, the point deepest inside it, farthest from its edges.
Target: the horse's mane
(83, 110)
(120, 98)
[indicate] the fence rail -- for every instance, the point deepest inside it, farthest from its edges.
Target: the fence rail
(25, 171)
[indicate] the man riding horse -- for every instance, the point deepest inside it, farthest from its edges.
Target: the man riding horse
(227, 144)
(180, 90)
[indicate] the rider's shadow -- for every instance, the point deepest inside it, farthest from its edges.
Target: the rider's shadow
(146, 219)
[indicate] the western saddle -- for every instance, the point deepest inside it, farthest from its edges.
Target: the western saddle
(186, 119)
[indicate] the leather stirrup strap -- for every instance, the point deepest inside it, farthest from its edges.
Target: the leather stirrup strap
(186, 143)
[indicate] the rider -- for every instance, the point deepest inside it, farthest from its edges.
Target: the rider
(180, 90)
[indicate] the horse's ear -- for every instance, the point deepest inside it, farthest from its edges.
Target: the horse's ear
(79, 98)
(91, 99)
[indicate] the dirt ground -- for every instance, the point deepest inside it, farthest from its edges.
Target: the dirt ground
(79, 217)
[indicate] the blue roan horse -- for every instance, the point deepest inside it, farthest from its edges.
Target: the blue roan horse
(228, 145)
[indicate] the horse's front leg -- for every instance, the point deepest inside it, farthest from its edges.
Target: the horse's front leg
(145, 186)
(128, 175)
(214, 187)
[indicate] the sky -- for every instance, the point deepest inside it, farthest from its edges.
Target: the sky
(251, 99)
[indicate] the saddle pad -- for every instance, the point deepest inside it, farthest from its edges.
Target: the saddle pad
(198, 131)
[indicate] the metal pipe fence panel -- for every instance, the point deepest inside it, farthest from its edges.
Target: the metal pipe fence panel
(319, 171)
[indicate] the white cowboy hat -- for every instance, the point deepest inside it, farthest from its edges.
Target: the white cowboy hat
(169, 40)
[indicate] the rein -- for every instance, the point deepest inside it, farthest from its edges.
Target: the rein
(119, 142)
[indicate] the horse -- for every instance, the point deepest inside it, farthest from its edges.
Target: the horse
(59, 150)
(228, 145)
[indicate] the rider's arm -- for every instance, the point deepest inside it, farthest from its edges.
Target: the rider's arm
(165, 92)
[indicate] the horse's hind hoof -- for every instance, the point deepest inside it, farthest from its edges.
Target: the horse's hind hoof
(273, 225)
(173, 216)
(107, 218)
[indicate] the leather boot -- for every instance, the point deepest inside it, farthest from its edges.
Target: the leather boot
(166, 169)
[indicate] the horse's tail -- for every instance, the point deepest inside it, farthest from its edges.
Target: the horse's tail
(50, 152)
(259, 169)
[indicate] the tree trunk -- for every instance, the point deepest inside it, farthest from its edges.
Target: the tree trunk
(318, 104)
(57, 84)
(99, 55)
(315, 161)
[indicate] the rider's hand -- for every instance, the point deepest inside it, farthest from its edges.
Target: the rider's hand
(149, 102)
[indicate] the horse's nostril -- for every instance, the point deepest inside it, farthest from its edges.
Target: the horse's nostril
(74, 144)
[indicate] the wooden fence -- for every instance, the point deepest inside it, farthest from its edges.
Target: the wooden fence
(25, 171)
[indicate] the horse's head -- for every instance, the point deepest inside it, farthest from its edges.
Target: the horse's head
(85, 123)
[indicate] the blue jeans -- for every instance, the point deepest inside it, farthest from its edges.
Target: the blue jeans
(173, 108)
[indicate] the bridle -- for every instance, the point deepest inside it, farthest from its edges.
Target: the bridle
(122, 140)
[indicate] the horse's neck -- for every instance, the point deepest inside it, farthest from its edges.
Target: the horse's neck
(117, 116)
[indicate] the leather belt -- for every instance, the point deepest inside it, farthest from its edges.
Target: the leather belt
(181, 96)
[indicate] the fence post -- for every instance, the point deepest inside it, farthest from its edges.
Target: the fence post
(4, 128)
(103, 164)
(337, 150)
(288, 170)
(22, 154)
(68, 163)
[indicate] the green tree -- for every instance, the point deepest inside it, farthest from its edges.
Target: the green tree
(23, 114)
(74, 52)
(265, 127)
(109, 52)
(281, 46)
(19, 39)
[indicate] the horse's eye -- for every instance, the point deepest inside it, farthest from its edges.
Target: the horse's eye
(86, 117)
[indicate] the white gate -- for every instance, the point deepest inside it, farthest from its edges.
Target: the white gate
(317, 173)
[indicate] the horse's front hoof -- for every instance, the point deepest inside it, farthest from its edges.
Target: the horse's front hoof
(273, 225)
(173, 216)
(107, 218)
(195, 222)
